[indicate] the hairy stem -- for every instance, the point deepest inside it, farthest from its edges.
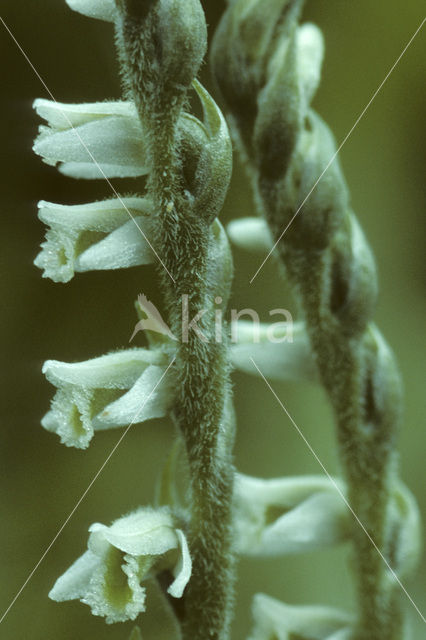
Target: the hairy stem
(192, 250)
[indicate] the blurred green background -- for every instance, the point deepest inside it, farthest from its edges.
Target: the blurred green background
(41, 480)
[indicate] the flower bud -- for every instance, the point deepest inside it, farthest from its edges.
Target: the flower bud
(163, 43)
(245, 40)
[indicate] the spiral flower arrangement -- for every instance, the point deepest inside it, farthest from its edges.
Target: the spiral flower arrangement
(184, 548)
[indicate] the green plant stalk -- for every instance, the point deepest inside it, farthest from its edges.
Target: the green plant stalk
(184, 241)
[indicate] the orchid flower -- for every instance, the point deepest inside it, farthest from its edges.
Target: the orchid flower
(108, 576)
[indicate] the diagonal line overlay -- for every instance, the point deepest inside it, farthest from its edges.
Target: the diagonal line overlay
(340, 492)
(86, 147)
(345, 139)
(84, 494)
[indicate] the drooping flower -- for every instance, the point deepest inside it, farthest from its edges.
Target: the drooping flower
(136, 547)
(95, 140)
(106, 392)
(283, 516)
(110, 234)
(274, 619)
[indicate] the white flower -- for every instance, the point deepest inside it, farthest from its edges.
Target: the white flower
(83, 136)
(97, 235)
(110, 391)
(101, 9)
(250, 233)
(288, 515)
(274, 619)
(134, 548)
(280, 350)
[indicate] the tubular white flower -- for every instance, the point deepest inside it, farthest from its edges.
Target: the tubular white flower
(250, 233)
(98, 235)
(281, 351)
(284, 516)
(133, 549)
(110, 131)
(100, 9)
(273, 618)
(106, 392)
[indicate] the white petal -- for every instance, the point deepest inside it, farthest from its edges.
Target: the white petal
(143, 532)
(60, 115)
(101, 9)
(287, 360)
(117, 370)
(310, 53)
(74, 582)
(273, 617)
(125, 247)
(148, 398)
(115, 144)
(183, 568)
(250, 233)
(104, 216)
